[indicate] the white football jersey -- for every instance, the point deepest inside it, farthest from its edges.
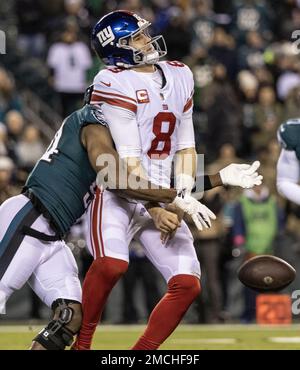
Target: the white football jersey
(155, 122)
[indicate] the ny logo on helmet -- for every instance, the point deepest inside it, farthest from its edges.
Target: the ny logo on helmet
(106, 36)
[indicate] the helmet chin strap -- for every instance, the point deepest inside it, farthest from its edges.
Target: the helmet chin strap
(151, 58)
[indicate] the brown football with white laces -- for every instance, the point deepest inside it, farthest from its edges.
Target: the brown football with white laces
(266, 273)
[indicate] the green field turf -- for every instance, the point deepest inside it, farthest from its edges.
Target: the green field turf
(186, 337)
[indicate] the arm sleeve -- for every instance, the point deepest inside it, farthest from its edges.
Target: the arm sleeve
(186, 135)
(288, 173)
(124, 130)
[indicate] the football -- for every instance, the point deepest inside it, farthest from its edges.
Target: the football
(266, 273)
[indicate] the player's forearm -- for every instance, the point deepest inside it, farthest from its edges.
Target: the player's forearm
(134, 186)
(139, 187)
(158, 195)
(130, 183)
(186, 162)
(185, 169)
(212, 181)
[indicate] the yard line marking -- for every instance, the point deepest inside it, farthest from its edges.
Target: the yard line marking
(233, 328)
(284, 339)
(203, 341)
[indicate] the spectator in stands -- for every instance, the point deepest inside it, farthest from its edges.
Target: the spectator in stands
(8, 97)
(60, 13)
(178, 47)
(30, 148)
(220, 103)
(251, 54)
(7, 189)
(251, 15)
(290, 18)
(3, 140)
(289, 66)
(202, 24)
(268, 117)
(75, 10)
(208, 245)
(69, 61)
(257, 222)
(223, 51)
(248, 88)
(263, 75)
(31, 39)
(268, 156)
(292, 104)
(15, 125)
(138, 7)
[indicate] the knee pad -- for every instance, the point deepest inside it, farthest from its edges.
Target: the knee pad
(188, 285)
(111, 268)
(66, 323)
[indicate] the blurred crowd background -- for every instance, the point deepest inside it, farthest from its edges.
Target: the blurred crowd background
(247, 82)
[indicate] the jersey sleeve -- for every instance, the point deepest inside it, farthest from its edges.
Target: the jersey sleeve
(108, 89)
(112, 94)
(189, 87)
(186, 135)
(124, 130)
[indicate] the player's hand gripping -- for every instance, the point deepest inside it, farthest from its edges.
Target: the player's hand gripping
(164, 237)
(200, 214)
(243, 175)
(165, 221)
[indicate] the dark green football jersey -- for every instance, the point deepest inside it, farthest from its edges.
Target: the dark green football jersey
(63, 179)
(289, 135)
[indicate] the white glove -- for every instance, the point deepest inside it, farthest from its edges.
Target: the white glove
(200, 214)
(243, 175)
(184, 182)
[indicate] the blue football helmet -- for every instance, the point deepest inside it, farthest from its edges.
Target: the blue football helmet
(111, 36)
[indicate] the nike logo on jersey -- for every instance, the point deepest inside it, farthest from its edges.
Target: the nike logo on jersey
(106, 84)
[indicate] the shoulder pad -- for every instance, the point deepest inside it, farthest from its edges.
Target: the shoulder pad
(288, 134)
(92, 114)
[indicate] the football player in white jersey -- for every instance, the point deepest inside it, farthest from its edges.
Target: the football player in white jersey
(148, 105)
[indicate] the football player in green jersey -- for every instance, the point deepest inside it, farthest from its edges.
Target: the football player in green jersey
(288, 165)
(33, 223)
